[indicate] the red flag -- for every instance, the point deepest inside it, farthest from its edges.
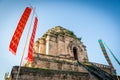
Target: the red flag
(19, 30)
(30, 49)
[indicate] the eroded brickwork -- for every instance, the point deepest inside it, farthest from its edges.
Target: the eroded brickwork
(44, 74)
(55, 56)
(55, 63)
(61, 63)
(60, 41)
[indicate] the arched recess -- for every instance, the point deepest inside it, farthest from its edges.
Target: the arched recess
(75, 53)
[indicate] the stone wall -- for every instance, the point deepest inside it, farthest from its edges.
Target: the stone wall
(64, 46)
(46, 74)
(58, 41)
(56, 63)
(62, 63)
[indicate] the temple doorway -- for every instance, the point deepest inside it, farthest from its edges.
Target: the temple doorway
(75, 53)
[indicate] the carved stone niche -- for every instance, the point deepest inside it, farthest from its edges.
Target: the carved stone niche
(77, 51)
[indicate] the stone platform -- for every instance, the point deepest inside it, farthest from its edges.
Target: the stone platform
(27, 73)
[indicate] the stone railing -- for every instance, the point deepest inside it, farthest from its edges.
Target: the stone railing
(100, 65)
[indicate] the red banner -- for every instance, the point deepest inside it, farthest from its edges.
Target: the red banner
(19, 30)
(30, 49)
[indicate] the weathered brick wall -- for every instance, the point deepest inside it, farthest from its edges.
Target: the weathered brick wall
(55, 63)
(58, 41)
(61, 45)
(46, 74)
(61, 63)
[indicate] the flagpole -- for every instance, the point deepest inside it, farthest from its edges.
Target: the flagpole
(25, 43)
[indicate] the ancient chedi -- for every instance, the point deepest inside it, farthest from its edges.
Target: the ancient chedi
(61, 42)
(59, 55)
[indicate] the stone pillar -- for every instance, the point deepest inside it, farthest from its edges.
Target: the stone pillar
(86, 56)
(36, 47)
(83, 56)
(42, 46)
(47, 44)
(66, 45)
(61, 45)
(51, 45)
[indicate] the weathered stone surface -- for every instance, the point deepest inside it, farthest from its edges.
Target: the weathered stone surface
(60, 41)
(55, 56)
(55, 63)
(62, 63)
(46, 74)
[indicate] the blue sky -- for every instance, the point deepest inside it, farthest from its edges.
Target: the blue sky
(90, 20)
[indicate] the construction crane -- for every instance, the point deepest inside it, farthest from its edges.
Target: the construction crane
(107, 57)
(112, 54)
(105, 52)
